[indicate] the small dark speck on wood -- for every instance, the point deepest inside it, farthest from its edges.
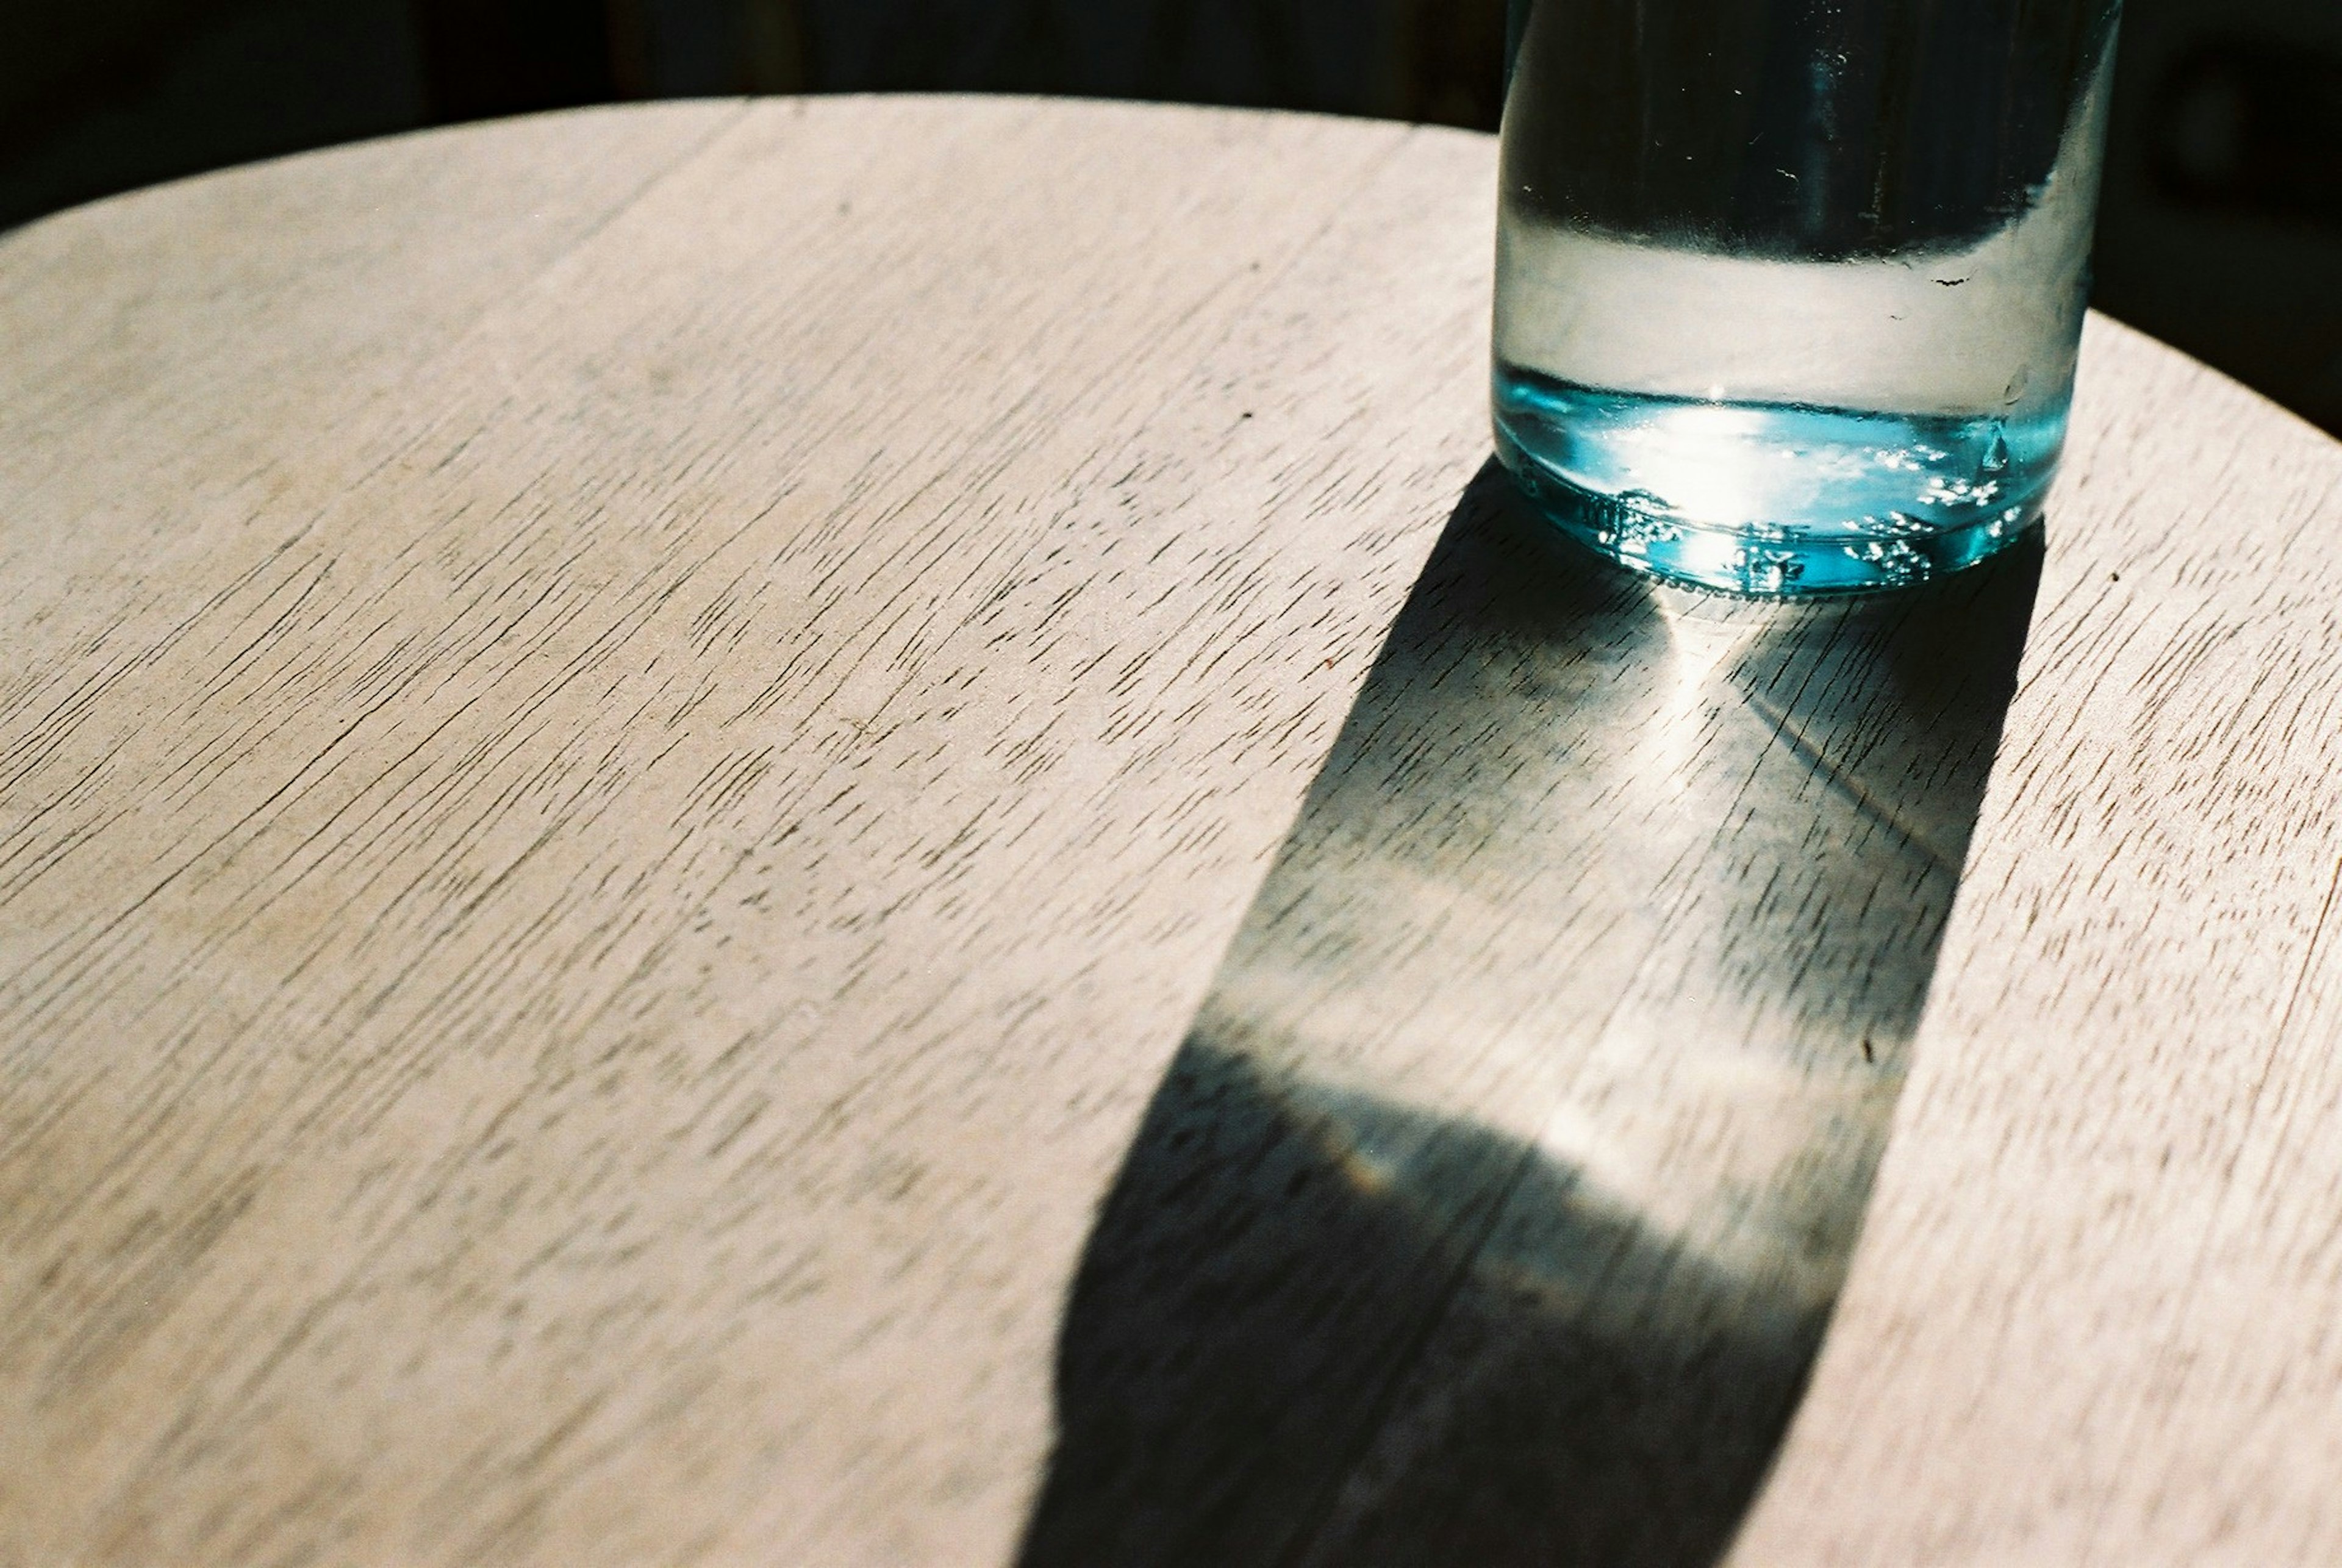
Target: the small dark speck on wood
(1949, 282)
(1868, 1054)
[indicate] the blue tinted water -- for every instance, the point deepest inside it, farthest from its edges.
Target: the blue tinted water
(1774, 498)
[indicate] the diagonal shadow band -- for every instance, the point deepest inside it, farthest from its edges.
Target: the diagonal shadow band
(1493, 1209)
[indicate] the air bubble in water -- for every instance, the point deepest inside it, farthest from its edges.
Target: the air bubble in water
(1996, 457)
(1893, 561)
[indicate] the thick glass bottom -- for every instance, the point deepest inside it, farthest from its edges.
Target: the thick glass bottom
(1774, 500)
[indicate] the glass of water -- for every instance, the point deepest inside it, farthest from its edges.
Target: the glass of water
(1789, 291)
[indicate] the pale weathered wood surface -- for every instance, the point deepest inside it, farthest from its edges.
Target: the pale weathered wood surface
(633, 740)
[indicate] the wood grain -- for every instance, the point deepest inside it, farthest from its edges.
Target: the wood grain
(2090, 1325)
(635, 737)
(1499, 1198)
(570, 1000)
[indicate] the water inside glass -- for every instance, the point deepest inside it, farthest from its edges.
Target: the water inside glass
(1789, 292)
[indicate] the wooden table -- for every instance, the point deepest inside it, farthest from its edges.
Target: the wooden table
(849, 833)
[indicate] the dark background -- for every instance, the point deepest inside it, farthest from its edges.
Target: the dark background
(2221, 230)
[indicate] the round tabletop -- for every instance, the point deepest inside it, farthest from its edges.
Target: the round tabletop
(852, 831)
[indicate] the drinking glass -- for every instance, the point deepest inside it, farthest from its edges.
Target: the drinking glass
(1789, 291)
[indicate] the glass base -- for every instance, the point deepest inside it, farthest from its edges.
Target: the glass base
(1773, 500)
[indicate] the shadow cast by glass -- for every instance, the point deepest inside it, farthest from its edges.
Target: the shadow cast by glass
(1496, 1205)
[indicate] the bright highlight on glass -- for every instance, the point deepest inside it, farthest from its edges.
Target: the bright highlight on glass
(1788, 291)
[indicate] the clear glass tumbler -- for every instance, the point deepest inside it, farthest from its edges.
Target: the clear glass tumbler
(1788, 291)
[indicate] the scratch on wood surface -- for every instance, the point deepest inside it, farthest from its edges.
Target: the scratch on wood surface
(2293, 997)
